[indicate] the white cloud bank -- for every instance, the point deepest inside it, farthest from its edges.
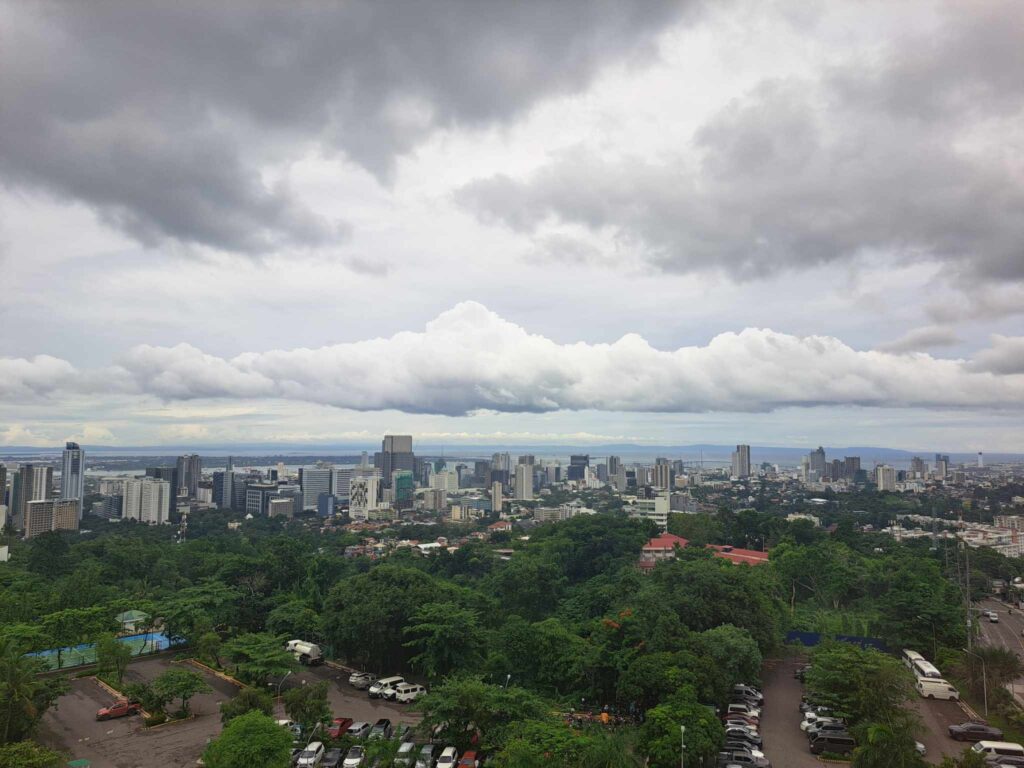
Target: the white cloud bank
(470, 359)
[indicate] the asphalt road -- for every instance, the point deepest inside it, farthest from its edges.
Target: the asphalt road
(125, 743)
(786, 745)
(346, 701)
(1007, 633)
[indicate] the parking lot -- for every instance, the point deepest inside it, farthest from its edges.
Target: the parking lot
(346, 701)
(786, 745)
(125, 743)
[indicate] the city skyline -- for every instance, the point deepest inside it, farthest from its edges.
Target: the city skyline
(646, 222)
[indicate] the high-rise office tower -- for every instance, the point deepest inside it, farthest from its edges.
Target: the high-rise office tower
(578, 466)
(662, 476)
(50, 515)
(148, 500)
(835, 471)
(816, 462)
(363, 492)
(885, 477)
(190, 470)
(851, 466)
(527, 458)
(981, 460)
(3, 484)
(741, 461)
(395, 453)
(314, 481)
(917, 467)
(32, 483)
(524, 482)
(72, 474)
(403, 487)
(496, 498)
(614, 465)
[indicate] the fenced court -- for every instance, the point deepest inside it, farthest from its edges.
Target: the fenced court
(80, 655)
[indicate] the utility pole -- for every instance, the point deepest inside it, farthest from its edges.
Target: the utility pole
(967, 594)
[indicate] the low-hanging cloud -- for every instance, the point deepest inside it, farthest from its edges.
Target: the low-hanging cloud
(163, 116)
(470, 359)
(906, 153)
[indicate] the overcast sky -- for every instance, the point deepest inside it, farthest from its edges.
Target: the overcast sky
(783, 223)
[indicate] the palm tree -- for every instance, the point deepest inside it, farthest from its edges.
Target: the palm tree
(23, 697)
(888, 745)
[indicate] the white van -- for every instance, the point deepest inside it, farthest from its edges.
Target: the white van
(406, 692)
(924, 668)
(378, 688)
(909, 657)
(999, 748)
(936, 688)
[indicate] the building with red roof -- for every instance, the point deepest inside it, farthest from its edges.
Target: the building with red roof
(664, 546)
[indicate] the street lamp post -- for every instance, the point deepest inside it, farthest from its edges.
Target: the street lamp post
(281, 682)
(507, 678)
(984, 677)
(682, 746)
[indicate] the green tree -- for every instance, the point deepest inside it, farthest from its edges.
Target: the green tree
(247, 700)
(252, 740)
(296, 620)
(28, 754)
(446, 637)
(862, 684)
(152, 700)
(462, 704)
(733, 655)
(660, 734)
(24, 697)
(308, 705)
(179, 683)
(112, 656)
(257, 656)
(888, 746)
(208, 648)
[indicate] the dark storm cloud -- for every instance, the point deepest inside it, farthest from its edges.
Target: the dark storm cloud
(910, 154)
(161, 116)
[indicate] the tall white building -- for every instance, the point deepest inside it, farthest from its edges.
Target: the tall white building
(496, 498)
(524, 482)
(885, 477)
(147, 500)
(655, 509)
(445, 480)
(363, 493)
(72, 475)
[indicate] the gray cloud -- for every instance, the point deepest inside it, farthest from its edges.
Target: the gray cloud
(469, 359)
(162, 116)
(904, 154)
(1005, 356)
(921, 338)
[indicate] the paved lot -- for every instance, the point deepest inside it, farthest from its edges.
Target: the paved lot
(1008, 633)
(124, 743)
(786, 745)
(346, 701)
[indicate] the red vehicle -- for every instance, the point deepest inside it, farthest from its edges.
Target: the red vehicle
(468, 760)
(337, 729)
(121, 708)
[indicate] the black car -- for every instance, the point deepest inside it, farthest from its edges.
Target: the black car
(975, 732)
(332, 758)
(840, 743)
(381, 729)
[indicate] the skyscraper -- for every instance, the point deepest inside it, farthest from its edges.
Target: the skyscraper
(614, 464)
(885, 477)
(816, 463)
(662, 475)
(578, 466)
(314, 481)
(32, 483)
(147, 500)
(190, 470)
(395, 453)
(524, 482)
(741, 461)
(50, 515)
(496, 498)
(72, 475)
